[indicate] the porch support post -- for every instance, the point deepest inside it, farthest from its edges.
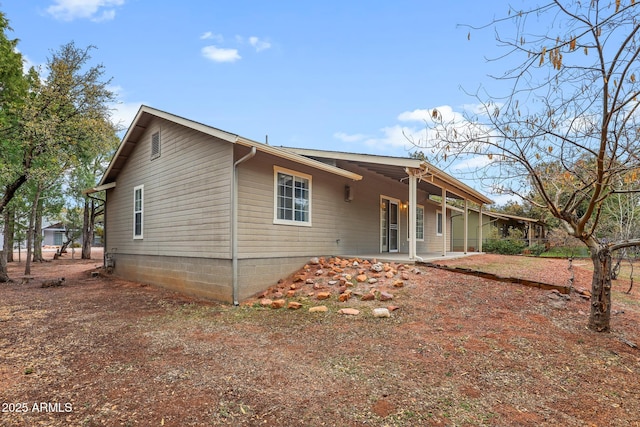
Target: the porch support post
(413, 186)
(480, 228)
(530, 233)
(444, 222)
(466, 226)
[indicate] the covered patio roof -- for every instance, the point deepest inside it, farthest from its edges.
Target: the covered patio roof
(430, 179)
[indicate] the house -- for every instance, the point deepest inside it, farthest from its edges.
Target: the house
(54, 234)
(532, 229)
(210, 213)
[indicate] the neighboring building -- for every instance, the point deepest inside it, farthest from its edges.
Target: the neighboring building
(210, 213)
(533, 230)
(53, 234)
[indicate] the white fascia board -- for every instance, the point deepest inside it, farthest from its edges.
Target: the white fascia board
(355, 157)
(99, 188)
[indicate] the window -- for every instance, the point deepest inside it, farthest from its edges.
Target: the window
(138, 209)
(439, 223)
(155, 145)
(293, 197)
(419, 223)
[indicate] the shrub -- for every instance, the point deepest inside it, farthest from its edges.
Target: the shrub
(513, 244)
(537, 249)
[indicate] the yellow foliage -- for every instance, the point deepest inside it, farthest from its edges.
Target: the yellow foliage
(617, 5)
(572, 44)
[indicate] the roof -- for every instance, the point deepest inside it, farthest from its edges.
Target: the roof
(146, 114)
(501, 215)
(432, 180)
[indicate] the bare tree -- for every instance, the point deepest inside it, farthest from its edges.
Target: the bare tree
(568, 125)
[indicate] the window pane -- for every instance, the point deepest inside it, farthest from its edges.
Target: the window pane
(420, 223)
(292, 198)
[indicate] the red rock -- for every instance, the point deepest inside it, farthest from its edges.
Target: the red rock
(294, 305)
(392, 307)
(361, 278)
(398, 284)
(385, 296)
(293, 286)
(278, 294)
(265, 302)
(318, 309)
(279, 303)
(368, 297)
(323, 295)
(345, 296)
(405, 275)
(291, 293)
(349, 311)
(389, 274)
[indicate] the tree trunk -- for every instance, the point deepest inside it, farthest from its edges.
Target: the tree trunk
(37, 237)
(9, 229)
(7, 246)
(31, 231)
(600, 316)
(87, 228)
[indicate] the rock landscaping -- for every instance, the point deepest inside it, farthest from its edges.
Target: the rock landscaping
(352, 285)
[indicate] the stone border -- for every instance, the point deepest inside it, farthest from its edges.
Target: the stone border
(519, 281)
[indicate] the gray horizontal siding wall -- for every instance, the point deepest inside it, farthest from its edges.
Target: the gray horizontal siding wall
(186, 196)
(338, 227)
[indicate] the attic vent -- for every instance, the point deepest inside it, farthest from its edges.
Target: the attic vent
(155, 145)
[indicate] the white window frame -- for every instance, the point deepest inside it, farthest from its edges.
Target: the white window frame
(138, 211)
(278, 170)
(439, 219)
(418, 207)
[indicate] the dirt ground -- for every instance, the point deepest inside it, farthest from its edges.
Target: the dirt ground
(458, 351)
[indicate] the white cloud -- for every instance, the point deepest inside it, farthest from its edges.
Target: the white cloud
(123, 113)
(217, 54)
(394, 138)
(349, 138)
(258, 44)
(211, 36)
(472, 163)
(95, 10)
(414, 116)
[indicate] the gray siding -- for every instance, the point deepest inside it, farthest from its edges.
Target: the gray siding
(186, 196)
(338, 227)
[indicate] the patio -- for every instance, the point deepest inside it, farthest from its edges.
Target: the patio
(404, 257)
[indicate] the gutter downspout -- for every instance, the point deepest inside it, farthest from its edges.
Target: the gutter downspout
(234, 224)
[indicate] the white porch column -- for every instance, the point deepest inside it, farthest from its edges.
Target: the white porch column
(480, 228)
(466, 226)
(444, 222)
(413, 187)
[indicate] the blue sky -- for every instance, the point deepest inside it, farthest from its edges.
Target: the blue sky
(337, 75)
